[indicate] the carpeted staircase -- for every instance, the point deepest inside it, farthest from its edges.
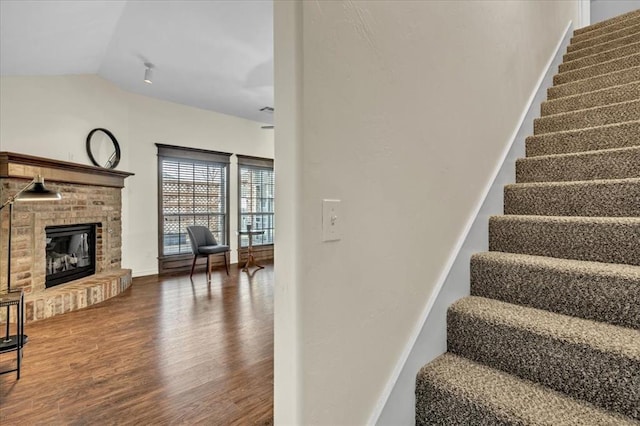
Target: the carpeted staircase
(551, 332)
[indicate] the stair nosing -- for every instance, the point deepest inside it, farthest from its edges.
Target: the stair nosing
(573, 52)
(601, 90)
(603, 35)
(621, 270)
(596, 54)
(592, 182)
(550, 116)
(628, 88)
(599, 76)
(578, 154)
(566, 219)
(596, 65)
(560, 132)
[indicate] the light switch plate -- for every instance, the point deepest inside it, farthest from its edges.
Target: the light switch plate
(331, 220)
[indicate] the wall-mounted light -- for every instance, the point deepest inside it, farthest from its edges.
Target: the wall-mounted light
(148, 72)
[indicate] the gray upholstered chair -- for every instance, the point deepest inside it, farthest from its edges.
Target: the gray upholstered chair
(203, 243)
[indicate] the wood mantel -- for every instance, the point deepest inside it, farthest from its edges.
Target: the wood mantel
(14, 165)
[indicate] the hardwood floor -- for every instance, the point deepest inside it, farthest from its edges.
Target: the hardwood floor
(167, 351)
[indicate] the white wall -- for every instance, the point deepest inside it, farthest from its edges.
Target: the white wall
(51, 116)
(406, 108)
(288, 164)
(605, 9)
(431, 339)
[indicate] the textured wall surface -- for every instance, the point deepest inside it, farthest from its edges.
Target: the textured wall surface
(405, 110)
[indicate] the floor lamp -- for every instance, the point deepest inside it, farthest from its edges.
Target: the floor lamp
(34, 191)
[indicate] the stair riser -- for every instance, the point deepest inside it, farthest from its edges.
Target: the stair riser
(438, 407)
(599, 116)
(605, 379)
(607, 23)
(593, 295)
(597, 70)
(618, 78)
(612, 95)
(604, 38)
(595, 199)
(613, 242)
(609, 55)
(606, 30)
(619, 136)
(619, 164)
(599, 48)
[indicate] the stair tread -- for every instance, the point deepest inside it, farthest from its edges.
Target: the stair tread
(593, 238)
(596, 58)
(607, 22)
(591, 198)
(613, 32)
(601, 68)
(606, 292)
(615, 163)
(601, 47)
(622, 270)
(603, 38)
(597, 116)
(512, 399)
(613, 78)
(614, 135)
(624, 342)
(574, 183)
(597, 197)
(606, 96)
(582, 153)
(633, 102)
(633, 20)
(633, 221)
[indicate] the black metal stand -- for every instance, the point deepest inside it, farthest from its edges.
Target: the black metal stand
(16, 342)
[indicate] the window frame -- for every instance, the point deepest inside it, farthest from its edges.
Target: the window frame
(167, 262)
(254, 163)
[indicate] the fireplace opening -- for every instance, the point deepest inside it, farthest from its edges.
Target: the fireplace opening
(70, 253)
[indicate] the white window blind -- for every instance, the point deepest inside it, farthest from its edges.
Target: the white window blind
(193, 190)
(256, 182)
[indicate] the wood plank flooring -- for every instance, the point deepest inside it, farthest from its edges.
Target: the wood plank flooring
(167, 351)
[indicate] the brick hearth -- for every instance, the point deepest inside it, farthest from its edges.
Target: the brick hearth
(89, 195)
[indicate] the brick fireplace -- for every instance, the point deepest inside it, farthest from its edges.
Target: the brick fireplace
(90, 195)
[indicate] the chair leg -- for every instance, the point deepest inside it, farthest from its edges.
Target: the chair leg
(193, 265)
(226, 265)
(208, 268)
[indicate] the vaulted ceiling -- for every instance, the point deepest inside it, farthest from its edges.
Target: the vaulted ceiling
(210, 54)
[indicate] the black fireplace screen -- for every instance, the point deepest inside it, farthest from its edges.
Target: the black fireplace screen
(70, 253)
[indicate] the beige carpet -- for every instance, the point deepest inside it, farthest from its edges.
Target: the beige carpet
(551, 332)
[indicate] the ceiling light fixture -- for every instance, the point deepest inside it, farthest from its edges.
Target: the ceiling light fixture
(148, 72)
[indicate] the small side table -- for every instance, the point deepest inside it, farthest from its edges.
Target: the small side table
(251, 260)
(13, 343)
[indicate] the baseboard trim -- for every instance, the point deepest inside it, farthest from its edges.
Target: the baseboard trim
(401, 379)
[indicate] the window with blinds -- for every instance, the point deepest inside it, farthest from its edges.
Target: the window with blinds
(193, 190)
(256, 186)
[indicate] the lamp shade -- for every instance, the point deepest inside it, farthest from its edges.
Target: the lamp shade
(38, 192)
